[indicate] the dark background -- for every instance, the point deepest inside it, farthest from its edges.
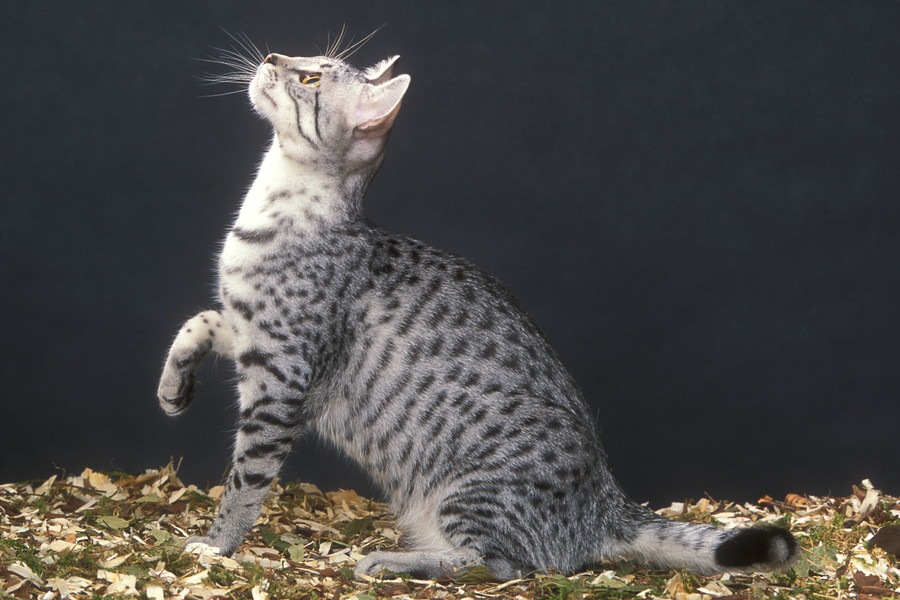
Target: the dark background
(696, 201)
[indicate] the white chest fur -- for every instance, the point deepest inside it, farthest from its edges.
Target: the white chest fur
(287, 201)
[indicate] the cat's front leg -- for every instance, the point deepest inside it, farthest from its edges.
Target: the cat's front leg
(271, 418)
(204, 333)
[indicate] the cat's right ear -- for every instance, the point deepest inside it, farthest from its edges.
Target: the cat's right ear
(382, 71)
(378, 107)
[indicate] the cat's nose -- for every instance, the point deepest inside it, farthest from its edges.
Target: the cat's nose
(272, 59)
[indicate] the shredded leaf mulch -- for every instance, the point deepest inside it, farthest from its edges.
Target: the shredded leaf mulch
(97, 535)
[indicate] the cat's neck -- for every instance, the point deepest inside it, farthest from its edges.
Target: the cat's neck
(287, 194)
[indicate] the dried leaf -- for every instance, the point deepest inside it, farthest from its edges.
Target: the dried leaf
(296, 552)
(45, 487)
(49, 533)
(112, 522)
(348, 496)
(99, 481)
(25, 572)
(714, 588)
(258, 593)
(360, 526)
(149, 498)
(120, 583)
(269, 536)
(115, 561)
(606, 581)
(61, 546)
(863, 580)
(195, 579)
(161, 536)
(796, 501)
(475, 574)
(68, 587)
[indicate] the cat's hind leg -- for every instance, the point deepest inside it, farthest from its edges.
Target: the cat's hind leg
(423, 564)
(204, 333)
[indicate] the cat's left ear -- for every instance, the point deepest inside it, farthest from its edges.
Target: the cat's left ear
(382, 71)
(378, 106)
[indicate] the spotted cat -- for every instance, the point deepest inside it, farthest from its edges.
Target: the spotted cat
(418, 365)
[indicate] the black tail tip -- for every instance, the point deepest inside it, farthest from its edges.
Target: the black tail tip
(764, 547)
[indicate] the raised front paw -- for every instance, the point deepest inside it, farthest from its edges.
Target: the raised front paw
(176, 389)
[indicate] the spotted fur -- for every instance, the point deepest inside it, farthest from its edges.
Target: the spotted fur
(418, 365)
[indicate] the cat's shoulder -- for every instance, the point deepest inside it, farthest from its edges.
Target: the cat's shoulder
(403, 258)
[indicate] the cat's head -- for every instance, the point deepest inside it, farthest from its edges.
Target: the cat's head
(327, 113)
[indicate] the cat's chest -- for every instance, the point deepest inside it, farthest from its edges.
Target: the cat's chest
(241, 256)
(300, 276)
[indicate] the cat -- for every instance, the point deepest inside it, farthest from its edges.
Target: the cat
(418, 365)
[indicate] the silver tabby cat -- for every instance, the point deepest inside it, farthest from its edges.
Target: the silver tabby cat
(418, 365)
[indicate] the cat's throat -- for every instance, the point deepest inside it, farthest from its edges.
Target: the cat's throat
(292, 197)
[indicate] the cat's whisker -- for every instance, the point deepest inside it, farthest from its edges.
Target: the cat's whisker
(239, 91)
(213, 79)
(224, 80)
(243, 76)
(332, 47)
(235, 55)
(351, 49)
(327, 45)
(335, 49)
(242, 67)
(244, 41)
(233, 58)
(236, 67)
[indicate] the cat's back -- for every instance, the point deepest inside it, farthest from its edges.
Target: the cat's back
(441, 349)
(452, 319)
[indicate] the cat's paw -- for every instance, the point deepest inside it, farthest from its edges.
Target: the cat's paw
(372, 564)
(198, 544)
(176, 389)
(427, 565)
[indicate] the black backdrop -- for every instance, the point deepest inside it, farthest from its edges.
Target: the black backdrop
(696, 201)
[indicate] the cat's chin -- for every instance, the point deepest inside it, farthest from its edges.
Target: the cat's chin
(260, 89)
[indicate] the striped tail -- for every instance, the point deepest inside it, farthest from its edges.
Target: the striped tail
(707, 550)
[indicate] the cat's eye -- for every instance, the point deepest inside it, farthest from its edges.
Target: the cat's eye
(312, 80)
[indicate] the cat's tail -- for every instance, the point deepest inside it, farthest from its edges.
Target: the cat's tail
(705, 549)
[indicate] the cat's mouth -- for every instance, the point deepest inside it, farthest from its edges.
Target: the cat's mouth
(265, 80)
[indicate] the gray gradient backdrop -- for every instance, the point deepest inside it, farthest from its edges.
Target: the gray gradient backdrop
(696, 201)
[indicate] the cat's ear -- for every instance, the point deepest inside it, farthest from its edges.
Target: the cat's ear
(381, 72)
(378, 107)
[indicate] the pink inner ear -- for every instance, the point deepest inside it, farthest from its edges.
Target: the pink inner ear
(379, 104)
(369, 125)
(380, 125)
